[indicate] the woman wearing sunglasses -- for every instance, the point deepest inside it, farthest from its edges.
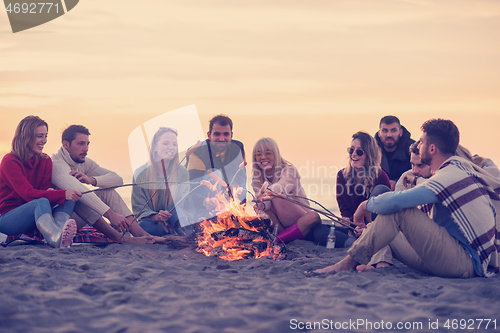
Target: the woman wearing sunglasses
(293, 221)
(153, 199)
(358, 180)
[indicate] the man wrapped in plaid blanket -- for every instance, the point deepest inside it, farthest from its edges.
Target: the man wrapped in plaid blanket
(461, 239)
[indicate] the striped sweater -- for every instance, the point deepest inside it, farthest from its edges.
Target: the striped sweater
(471, 197)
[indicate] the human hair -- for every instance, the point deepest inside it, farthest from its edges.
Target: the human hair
(389, 120)
(69, 134)
(414, 148)
(222, 120)
(463, 152)
(25, 137)
(369, 175)
(155, 168)
(443, 133)
(258, 175)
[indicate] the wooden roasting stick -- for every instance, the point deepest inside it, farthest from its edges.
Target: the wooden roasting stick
(224, 184)
(202, 182)
(189, 152)
(241, 167)
(134, 184)
(346, 223)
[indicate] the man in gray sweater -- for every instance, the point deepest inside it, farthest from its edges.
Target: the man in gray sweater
(71, 169)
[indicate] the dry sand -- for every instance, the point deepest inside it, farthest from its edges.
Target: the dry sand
(151, 288)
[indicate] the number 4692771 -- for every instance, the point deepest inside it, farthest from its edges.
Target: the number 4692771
(470, 324)
(31, 8)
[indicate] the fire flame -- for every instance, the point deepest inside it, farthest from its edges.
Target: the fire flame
(231, 213)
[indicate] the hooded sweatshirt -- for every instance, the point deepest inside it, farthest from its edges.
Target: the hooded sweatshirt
(399, 163)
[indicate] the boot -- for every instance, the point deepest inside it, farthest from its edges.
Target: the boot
(55, 235)
(289, 234)
(60, 218)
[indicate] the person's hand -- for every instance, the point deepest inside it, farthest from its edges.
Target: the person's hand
(73, 195)
(358, 231)
(163, 215)
(476, 159)
(360, 214)
(393, 184)
(409, 180)
(159, 240)
(210, 203)
(83, 178)
(259, 207)
(118, 221)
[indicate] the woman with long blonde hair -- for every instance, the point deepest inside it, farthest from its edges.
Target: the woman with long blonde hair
(26, 193)
(293, 221)
(161, 181)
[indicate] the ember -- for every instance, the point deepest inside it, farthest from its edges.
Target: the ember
(234, 235)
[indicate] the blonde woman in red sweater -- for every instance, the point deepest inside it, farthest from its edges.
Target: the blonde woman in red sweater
(293, 221)
(26, 194)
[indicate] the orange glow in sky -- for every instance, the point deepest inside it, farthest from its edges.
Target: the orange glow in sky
(307, 73)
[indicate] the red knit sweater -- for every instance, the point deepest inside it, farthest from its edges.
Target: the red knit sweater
(21, 183)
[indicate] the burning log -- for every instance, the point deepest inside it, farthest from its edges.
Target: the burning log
(236, 243)
(233, 234)
(179, 242)
(242, 234)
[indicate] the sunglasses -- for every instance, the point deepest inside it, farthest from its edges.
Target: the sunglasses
(267, 154)
(351, 150)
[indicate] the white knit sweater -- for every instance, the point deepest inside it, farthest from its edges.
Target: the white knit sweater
(63, 164)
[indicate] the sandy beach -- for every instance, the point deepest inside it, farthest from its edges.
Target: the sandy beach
(153, 288)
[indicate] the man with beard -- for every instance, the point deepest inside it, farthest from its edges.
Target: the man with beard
(418, 173)
(461, 239)
(224, 157)
(394, 141)
(71, 169)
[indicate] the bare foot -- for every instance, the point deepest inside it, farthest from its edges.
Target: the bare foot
(159, 240)
(383, 264)
(327, 269)
(345, 264)
(363, 268)
(138, 240)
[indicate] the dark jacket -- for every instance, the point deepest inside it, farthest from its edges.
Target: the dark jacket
(227, 170)
(400, 161)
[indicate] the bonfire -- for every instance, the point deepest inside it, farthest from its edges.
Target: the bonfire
(234, 234)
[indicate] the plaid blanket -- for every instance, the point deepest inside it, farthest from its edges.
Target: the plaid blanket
(471, 197)
(91, 235)
(34, 237)
(84, 235)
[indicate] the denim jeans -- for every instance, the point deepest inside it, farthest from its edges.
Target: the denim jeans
(23, 219)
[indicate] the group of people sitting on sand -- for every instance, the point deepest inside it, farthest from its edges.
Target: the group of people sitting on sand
(430, 204)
